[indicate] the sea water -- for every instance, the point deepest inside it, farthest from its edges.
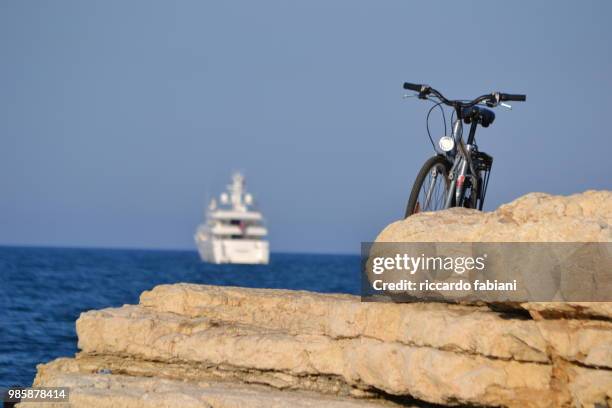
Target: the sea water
(43, 291)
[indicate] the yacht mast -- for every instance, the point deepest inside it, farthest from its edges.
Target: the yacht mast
(236, 191)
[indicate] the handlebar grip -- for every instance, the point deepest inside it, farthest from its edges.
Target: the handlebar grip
(512, 97)
(413, 87)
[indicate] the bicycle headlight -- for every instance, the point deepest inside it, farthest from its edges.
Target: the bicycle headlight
(446, 143)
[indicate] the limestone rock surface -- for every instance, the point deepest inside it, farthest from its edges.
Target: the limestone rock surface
(113, 391)
(347, 351)
(535, 217)
(209, 346)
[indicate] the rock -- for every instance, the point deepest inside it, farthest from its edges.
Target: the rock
(112, 391)
(347, 348)
(535, 217)
(436, 325)
(197, 345)
(586, 342)
(587, 310)
(590, 388)
(390, 366)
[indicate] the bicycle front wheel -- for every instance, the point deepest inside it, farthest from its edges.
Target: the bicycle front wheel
(431, 187)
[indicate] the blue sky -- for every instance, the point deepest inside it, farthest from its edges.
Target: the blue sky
(118, 118)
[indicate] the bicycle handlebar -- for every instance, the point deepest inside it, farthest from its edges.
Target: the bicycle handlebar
(493, 98)
(511, 97)
(413, 87)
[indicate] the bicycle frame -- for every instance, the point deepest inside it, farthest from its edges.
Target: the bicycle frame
(462, 164)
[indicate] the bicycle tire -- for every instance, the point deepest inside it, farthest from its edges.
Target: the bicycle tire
(440, 162)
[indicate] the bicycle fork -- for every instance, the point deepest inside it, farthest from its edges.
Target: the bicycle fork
(457, 179)
(462, 168)
(453, 190)
(432, 183)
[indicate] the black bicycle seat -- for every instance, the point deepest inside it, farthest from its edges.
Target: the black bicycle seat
(481, 115)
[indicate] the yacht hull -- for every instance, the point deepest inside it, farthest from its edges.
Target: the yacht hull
(233, 251)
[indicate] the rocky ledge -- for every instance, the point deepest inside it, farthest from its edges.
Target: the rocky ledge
(189, 345)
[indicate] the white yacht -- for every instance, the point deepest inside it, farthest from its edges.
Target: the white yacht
(234, 231)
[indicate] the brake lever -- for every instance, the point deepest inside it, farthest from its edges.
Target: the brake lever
(505, 105)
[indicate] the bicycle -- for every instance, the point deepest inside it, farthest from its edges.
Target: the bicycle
(459, 175)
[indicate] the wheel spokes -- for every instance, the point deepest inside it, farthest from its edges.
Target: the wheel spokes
(432, 194)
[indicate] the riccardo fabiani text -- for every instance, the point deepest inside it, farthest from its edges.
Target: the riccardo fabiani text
(461, 285)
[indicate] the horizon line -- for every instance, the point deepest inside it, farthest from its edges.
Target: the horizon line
(119, 248)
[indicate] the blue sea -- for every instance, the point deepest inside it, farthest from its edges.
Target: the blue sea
(43, 291)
